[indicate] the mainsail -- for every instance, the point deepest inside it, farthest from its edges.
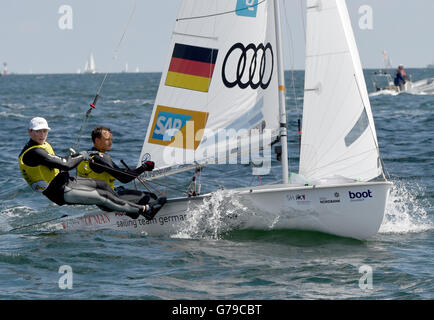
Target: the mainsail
(218, 90)
(339, 137)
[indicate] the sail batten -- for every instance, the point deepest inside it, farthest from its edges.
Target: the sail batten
(326, 54)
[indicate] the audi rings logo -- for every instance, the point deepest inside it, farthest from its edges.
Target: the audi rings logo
(254, 66)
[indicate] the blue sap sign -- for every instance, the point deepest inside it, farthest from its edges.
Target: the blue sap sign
(174, 126)
(247, 8)
(168, 125)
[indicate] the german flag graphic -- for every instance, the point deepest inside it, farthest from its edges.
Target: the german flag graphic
(191, 67)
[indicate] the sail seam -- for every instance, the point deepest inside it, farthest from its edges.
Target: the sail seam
(319, 8)
(327, 54)
(195, 36)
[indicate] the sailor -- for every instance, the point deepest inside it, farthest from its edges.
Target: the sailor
(400, 77)
(48, 173)
(102, 167)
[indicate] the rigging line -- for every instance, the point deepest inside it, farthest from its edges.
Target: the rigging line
(166, 186)
(140, 180)
(114, 57)
(221, 13)
(149, 187)
(302, 20)
(291, 48)
(133, 175)
(115, 54)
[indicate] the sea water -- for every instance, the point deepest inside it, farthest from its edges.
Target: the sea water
(206, 260)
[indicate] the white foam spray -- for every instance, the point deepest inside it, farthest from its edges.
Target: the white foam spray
(406, 210)
(220, 213)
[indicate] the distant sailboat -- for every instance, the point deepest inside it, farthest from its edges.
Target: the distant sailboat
(383, 82)
(387, 61)
(90, 67)
(126, 68)
(5, 68)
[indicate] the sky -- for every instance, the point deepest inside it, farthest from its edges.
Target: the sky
(31, 40)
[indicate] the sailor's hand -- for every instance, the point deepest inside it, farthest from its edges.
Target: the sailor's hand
(148, 165)
(86, 155)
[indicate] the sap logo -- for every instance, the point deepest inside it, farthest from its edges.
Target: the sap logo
(179, 128)
(168, 125)
(360, 195)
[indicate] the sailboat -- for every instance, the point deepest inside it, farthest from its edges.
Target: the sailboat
(383, 82)
(5, 69)
(224, 73)
(90, 67)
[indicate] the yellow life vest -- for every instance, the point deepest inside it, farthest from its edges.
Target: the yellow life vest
(84, 170)
(40, 176)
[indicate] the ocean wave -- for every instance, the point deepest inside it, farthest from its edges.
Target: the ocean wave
(11, 114)
(18, 211)
(9, 215)
(15, 106)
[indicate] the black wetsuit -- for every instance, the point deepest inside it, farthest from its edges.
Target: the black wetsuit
(104, 163)
(64, 189)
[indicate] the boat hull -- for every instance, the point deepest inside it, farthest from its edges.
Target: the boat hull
(354, 210)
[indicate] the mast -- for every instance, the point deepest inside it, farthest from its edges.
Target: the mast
(282, 103)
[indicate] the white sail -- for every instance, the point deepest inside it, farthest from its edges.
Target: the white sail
(201, 101)
(338, 132)
(92, 66)
(89, 66)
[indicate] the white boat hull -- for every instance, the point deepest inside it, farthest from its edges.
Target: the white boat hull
(354, 210)
(394, 90)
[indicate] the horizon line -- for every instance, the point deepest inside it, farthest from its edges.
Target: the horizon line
(134, 72)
